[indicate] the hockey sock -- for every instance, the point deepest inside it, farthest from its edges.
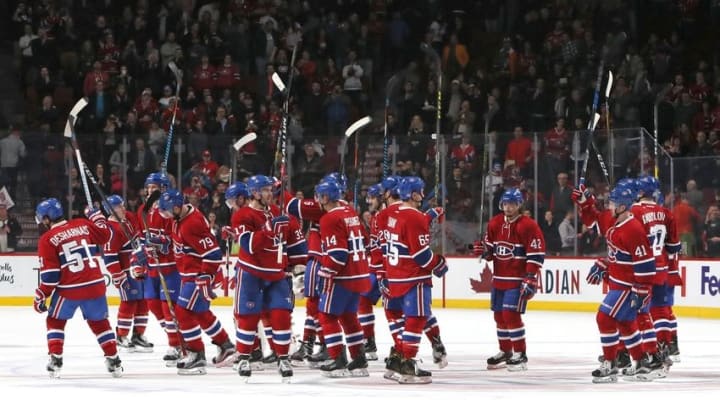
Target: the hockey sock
(332, 333)
(661, 322)
(190, 329)
(266, 319)
(170, 328)
(281, 331)
(411, 335)
(105, 336)
(366, 316)
(126, 312)
(609, 336)
(516, 330)
(140, 318)
(647, 331)
(212, 327)
(432, 328)
(672, 324)
(396, 323)
(55, 335)
(245, 333)
(311, 324)
(503, 334)
(630, 336)
(319, 330)
(353, 333)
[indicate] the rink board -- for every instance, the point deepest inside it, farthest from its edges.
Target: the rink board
(466, 285)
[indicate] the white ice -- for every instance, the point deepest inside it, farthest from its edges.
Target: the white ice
(562, 351)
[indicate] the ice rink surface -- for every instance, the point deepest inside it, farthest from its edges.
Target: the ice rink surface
(562, 351)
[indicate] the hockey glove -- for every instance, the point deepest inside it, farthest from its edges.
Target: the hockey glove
(384, 287)
(203, 284)
(96, 216)
(528, 287)
(120, 281)
(161, 243)
(39, 301)
(299, 284)
(640, 297)
(440, 268)
(598, 272)
(228, 232)
(674, 278)
(325, 280)
(437, 213)
(280, 225)
(582, 197)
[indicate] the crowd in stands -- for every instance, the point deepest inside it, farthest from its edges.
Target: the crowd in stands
(522, 71)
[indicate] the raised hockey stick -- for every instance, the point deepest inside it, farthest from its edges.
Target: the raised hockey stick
(246, 139)
(354, 127)
(70, 134)
(594, 117)
(386, 136)
(438, 119)
(168, 143)
(659, 99)
(608, 89)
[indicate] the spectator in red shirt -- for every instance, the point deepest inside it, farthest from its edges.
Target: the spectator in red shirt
(94, 76)
(146, 108)
(208, 166)
(704, 120)
(464, 152)
(519, 151)
(700, 91)
(196, 189)
(204, 75)
(557, 147)
(228, 74)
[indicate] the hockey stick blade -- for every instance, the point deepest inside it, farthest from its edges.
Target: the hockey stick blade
(357, 125)
(609, 84)
(79, 105)
(246, 139)
(278, 82)
(151, 200)
(595, 121)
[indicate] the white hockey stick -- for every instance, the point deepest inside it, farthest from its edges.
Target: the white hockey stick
(70, 134)
(278, 82)
(357, 125)
(246, 139)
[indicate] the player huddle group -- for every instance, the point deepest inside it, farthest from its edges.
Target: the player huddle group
(165, 260)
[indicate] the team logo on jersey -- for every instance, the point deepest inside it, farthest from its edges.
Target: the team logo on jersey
(504, 251)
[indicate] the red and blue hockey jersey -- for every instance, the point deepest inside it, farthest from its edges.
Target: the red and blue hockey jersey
(196, 249)
(344, 253)
(517, 248)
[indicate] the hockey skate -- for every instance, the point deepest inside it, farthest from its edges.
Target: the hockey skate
(172, 356)
(621, 361)
(518, 362)
(392, 365)
(337, 367)
(411, 373)
(141, 344)
(270, 358)
(114, 365)
(318, 359)
(55, 365)
(243, 369)
(664, 355)
(606, 373)
(302, 354)
(439, 353)
(358, 367)
(285, 368)
(370, 349)
(638, 371)
(656, 365)
(192, 364)
(225, 356)
(498, 361)
(256, 360)
(124, 342)
(674, 350)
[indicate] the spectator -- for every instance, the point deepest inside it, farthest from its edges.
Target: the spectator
(493, 181)
(92, 78)
(228, 74)
(694, 196)
(45, 84)
(711, 232)
(10, 230)
(12, 152)
(455, 57)
(208, 167)
(169, 48)
(464, 124)
(141, 161)
(519, 152)
(337, 111)
(464, 152)
(157, 138)
(560, 202)
(687, 219)
(49, 114)
(568, 236)
(308, 167)
(550, 229)
(196, 189)
(557, 148)
(146, 109)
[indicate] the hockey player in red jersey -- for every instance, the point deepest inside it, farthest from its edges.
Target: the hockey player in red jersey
(308, 209)
(155, 255)
(516, 246)
(70, 275)
(198, 259)
(133, 310)
(262, 284)
(659, 224)
(343, 276)
(410, 265)
(630, 272)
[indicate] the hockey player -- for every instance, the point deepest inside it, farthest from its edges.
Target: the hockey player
(261, 284)
(659, 224)
(156, 256)
(343, 276)
(310, 210)
(366, 315)
(70, 275)
(409, 266)
(199, 258)
(516, 246)
(133, 310)
(630, 271)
